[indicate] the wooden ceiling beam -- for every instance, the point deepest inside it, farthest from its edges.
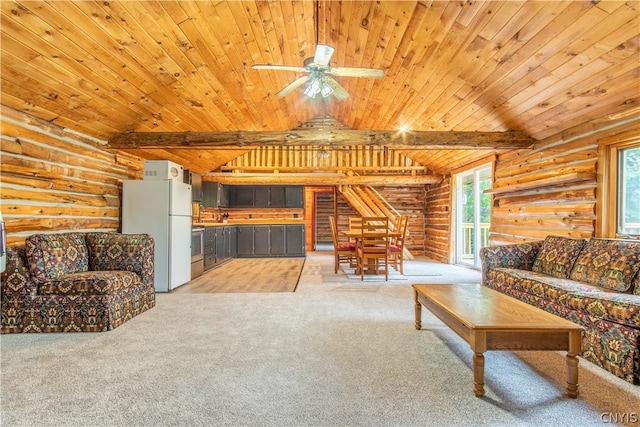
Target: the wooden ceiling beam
(319, 179)
(302, 137)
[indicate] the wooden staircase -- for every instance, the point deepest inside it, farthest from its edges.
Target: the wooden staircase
(368, 202)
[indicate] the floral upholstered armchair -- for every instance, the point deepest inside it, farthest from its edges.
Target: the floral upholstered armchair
(77, 282)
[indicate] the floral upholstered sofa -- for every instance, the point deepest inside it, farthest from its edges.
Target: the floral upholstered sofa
(594, 283)
(76, 282)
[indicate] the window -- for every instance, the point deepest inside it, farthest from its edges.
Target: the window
(619, 202)
(628, 192)
(473, 214)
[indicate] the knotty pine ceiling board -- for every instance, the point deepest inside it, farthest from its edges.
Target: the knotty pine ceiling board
(104, 68)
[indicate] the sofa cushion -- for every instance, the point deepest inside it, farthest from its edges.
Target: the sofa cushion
(620, 308)
(115, 251)
(611, 264)
(90, 283)
(51, 256)
(597, 302)
(557, 256)
(538, 284)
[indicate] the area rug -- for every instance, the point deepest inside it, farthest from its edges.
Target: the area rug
(248, 275)
(393, 275)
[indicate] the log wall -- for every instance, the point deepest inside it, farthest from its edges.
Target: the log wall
(53, 180)
(437, 218)
(552, 189)
(324, 208)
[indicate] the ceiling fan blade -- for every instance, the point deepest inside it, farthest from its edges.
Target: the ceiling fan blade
(291, 86)
(279, 67)
(323, 54)
(357, 72)
(338, 91)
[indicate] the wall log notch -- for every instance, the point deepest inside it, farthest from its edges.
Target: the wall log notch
(54, 181)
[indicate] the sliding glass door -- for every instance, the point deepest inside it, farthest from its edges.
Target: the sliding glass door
(473, 213)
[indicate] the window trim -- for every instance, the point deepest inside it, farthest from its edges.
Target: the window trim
(607, 218)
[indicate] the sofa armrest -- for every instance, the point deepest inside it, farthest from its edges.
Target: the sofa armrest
(16, 281)
(519, 256)
(127, 252)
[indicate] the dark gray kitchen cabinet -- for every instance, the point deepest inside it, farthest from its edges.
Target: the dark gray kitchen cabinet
(215, 195)
(220, 245)
(294, 196)
(195, 181)
(210, 194)
(241, 196)
(231, 241)
(223, 196)
(277, 196)
(277, 241)
(209, 247)
(261, 240)
(245, 241)
(261, 197)
(266, 196)
(295, 242)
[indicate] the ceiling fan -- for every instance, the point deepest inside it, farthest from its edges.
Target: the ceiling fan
(319, 75)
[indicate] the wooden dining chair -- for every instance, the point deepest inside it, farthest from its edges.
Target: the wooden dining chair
(372, 249)
(396, 247)
(344, 252)
(355, 224)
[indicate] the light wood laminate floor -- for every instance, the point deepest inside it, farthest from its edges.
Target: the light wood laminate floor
(248, 275)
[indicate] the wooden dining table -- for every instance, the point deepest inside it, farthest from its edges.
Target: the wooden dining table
(355, 234)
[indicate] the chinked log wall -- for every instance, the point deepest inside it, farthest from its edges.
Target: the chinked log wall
(53, 180)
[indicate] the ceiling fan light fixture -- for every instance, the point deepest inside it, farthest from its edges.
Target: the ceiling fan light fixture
(313, 88)
(317, 86)
(319, 79)
(325, 90)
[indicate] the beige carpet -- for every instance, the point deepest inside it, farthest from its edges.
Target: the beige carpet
(248, 275)
(337, 352)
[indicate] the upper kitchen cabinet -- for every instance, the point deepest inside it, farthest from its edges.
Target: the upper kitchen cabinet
(243, 196)
(294, 196)
(195, 180)
(215, 195)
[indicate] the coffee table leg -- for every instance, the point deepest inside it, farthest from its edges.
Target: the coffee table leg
(478, 374)
(575, 344)
(418, 309)
(572, 375)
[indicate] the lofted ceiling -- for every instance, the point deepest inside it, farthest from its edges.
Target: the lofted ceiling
(108, 68)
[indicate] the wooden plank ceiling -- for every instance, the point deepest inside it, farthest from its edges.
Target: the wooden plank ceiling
(533, 67)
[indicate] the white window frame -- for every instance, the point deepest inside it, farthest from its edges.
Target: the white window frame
(458, 213)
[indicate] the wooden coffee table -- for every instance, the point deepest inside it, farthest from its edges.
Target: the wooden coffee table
(490, 320)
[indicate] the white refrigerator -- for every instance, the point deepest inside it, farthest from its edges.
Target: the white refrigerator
(161, 208)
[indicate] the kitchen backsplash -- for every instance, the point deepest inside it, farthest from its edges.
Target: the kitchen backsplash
(205, 214)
